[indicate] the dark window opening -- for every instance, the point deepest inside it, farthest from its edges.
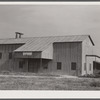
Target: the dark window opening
(0, 55)
(21, 63)
(73, 66)
(96, 65)
(59, 65)
(10, 55)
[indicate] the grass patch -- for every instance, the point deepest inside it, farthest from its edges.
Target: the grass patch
(95, 84)
(47, 82)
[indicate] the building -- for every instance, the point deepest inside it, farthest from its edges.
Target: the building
(72, 55)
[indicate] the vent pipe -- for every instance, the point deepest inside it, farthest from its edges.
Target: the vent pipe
(18, 35)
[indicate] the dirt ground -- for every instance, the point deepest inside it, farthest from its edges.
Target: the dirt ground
(47, 82)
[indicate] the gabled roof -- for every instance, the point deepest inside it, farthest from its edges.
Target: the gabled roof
(41, 43)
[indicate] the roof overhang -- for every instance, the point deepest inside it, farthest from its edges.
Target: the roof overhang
(93, 56)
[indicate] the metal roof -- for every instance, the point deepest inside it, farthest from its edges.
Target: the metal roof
(13, 41)
(41, 43)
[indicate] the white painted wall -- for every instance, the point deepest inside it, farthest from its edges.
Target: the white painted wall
(87, 49)
(48, 53)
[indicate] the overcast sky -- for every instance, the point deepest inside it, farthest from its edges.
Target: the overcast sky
(44, 20)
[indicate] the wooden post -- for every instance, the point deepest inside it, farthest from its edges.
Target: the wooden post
(40, 62)
(28, 65)
(86, 64)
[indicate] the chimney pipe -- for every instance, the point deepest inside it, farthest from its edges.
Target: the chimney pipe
(18, 35)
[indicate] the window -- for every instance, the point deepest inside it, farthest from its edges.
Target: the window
(85, 66)
(0, 55)
(59, 65)
(10, 55)
(73, 66)
(21, 63)
(90, 67)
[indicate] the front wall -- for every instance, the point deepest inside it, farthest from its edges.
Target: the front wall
(66, 53)
(62, 52)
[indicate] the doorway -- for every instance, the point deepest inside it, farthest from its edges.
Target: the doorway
(33, 65)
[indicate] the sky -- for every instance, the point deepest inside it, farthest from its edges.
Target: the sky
(51, 20)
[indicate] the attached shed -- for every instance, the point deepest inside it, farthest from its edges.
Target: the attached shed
(94, 64)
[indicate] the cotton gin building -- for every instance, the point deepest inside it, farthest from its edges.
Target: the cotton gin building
(70, 55)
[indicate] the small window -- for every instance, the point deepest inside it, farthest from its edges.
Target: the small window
(90, 67)
(10, 55)
(21, 63)
(73, 66)
(59, 65)
(0, 55)
(85, 66)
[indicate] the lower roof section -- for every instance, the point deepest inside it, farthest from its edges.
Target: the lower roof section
(45, 54)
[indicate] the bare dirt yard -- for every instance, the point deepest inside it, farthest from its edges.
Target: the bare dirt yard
(21, 81)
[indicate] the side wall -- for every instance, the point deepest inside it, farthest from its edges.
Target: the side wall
(5, 62)
(87, 49)
(48, 53)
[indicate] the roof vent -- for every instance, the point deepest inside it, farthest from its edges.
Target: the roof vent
(18, 35)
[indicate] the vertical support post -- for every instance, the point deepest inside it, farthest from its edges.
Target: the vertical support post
(28, 65)
(95, 64)
(40, 63)
(86, 63)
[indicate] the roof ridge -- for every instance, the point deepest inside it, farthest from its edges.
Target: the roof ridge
(58, 36)
(46, 36)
